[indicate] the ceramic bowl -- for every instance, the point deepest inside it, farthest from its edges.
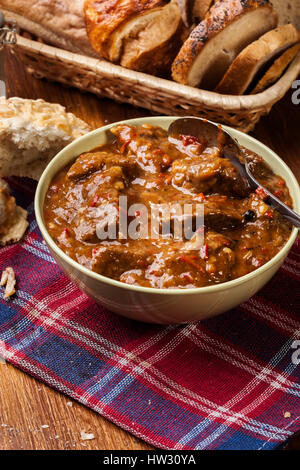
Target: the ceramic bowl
(163, 306)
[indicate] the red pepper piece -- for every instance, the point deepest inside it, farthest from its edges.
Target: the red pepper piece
(201, 196)
(189, 140)
(125, 145)
(204, 251)
(261, 193)
(95, 200)
(279, 193)
(269, 214)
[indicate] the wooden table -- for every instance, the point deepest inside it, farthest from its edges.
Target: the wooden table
(26, 405)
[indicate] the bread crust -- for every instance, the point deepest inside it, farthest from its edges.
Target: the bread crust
(219, 17)
(276, 69)
(244, 68)
(104, 17)
(58, 22)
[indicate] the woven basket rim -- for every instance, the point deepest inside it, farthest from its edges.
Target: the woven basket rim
(215, 100)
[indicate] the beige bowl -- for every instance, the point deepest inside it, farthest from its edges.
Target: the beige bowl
(162, 305)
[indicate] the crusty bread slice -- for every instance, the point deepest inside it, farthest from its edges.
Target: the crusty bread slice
(276, 69)
(253, 58)
(150, 42)
(104, 17)
(228, 28)
(56, 22)
(32, 132)
(142, 35)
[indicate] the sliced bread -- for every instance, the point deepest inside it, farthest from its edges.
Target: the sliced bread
(227, 29)
(254, 57)
(143, 35)
(276, 69)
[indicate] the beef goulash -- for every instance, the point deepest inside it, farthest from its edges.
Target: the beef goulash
(241, 231)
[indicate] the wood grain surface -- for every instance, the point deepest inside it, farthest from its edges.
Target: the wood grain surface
(33, 416)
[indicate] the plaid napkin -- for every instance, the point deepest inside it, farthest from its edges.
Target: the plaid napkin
(225, 383)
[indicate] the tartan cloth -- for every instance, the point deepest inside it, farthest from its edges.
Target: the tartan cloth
(223, 383)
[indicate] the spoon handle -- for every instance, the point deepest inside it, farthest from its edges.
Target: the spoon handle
(274, 202)
(284, 210)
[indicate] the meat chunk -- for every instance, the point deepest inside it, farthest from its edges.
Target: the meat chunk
(115, 259)
(90, 163)
(223, 213)
(191, 266)
(147, 145)
(208, 173)
(219, 213)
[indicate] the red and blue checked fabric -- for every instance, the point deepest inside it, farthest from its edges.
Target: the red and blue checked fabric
(225, 383)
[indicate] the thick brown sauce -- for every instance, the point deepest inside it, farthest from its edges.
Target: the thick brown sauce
(241, 232)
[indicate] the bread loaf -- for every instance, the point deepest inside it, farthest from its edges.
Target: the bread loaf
(57, 22)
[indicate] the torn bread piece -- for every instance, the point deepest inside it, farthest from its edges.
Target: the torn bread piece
(255, 57)
(277, 69)
(212, 46)
(32, 132)
(8, 279)
(13, 223)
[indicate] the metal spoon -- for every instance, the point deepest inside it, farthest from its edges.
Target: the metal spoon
(216, 136)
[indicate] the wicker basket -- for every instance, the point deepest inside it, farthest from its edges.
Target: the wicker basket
(156, 94)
